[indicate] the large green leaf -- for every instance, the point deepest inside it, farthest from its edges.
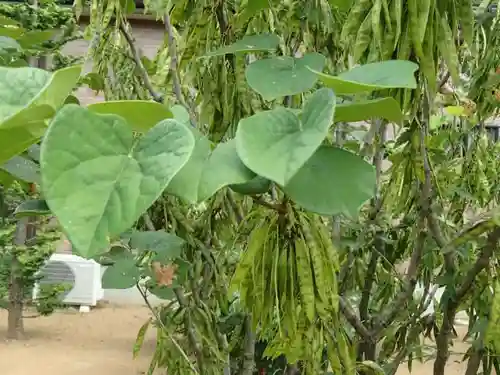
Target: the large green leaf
(141, 114)
(333, 181)
(276, 144)
(98, 179)
(167, 246)
(224, 167)
(31, 94)
(14, 141)
(372, 77)
(383, 108)
(276, 77)
(249, 43)
(22, 169)
(123, 274)
(185, 183)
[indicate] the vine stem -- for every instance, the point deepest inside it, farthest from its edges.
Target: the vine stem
(190, 331)
(170, 337)
(410, 279)
(452, 305)
(354, 320)
(140, 66)
(174, 59)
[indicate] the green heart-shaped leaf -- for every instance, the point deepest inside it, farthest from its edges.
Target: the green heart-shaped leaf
(123, 274)
(142, 115)
(223, 168)
(276, 144)
(166, 245)
(97, 179)
(276, 77)
(383, 108)
(185, 183)
(382, 75)
(333, 181)
(249, 43)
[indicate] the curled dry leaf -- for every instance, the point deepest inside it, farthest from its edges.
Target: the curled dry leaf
(164, 274)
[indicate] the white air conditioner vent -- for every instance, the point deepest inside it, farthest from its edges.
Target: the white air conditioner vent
(82, 274)
(57, 272)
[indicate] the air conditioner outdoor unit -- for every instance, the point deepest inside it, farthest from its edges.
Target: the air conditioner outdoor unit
(82, 274)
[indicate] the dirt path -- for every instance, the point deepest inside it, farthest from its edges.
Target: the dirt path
(70, 343)
(100, 343)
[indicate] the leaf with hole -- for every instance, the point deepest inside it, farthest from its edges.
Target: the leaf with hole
(142, 115)
(123, 274)
(100, 170)
(249, 43)
(333, 181)
(167, 245)
(276, 77)
(276, 144)
(390, 74)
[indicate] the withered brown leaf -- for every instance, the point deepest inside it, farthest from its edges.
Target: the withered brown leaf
(164, 274)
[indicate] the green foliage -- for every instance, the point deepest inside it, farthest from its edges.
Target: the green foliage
(128, 174)
(29, 260)
(132, 263)
(49, 298)
(309, 232)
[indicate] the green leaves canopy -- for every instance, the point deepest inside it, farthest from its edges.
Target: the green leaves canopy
(100, 171)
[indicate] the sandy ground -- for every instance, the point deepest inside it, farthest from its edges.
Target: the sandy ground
(70, 343)
(100, 343)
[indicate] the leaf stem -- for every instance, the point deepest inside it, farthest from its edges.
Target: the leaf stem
(140, 66)
(160, 321)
